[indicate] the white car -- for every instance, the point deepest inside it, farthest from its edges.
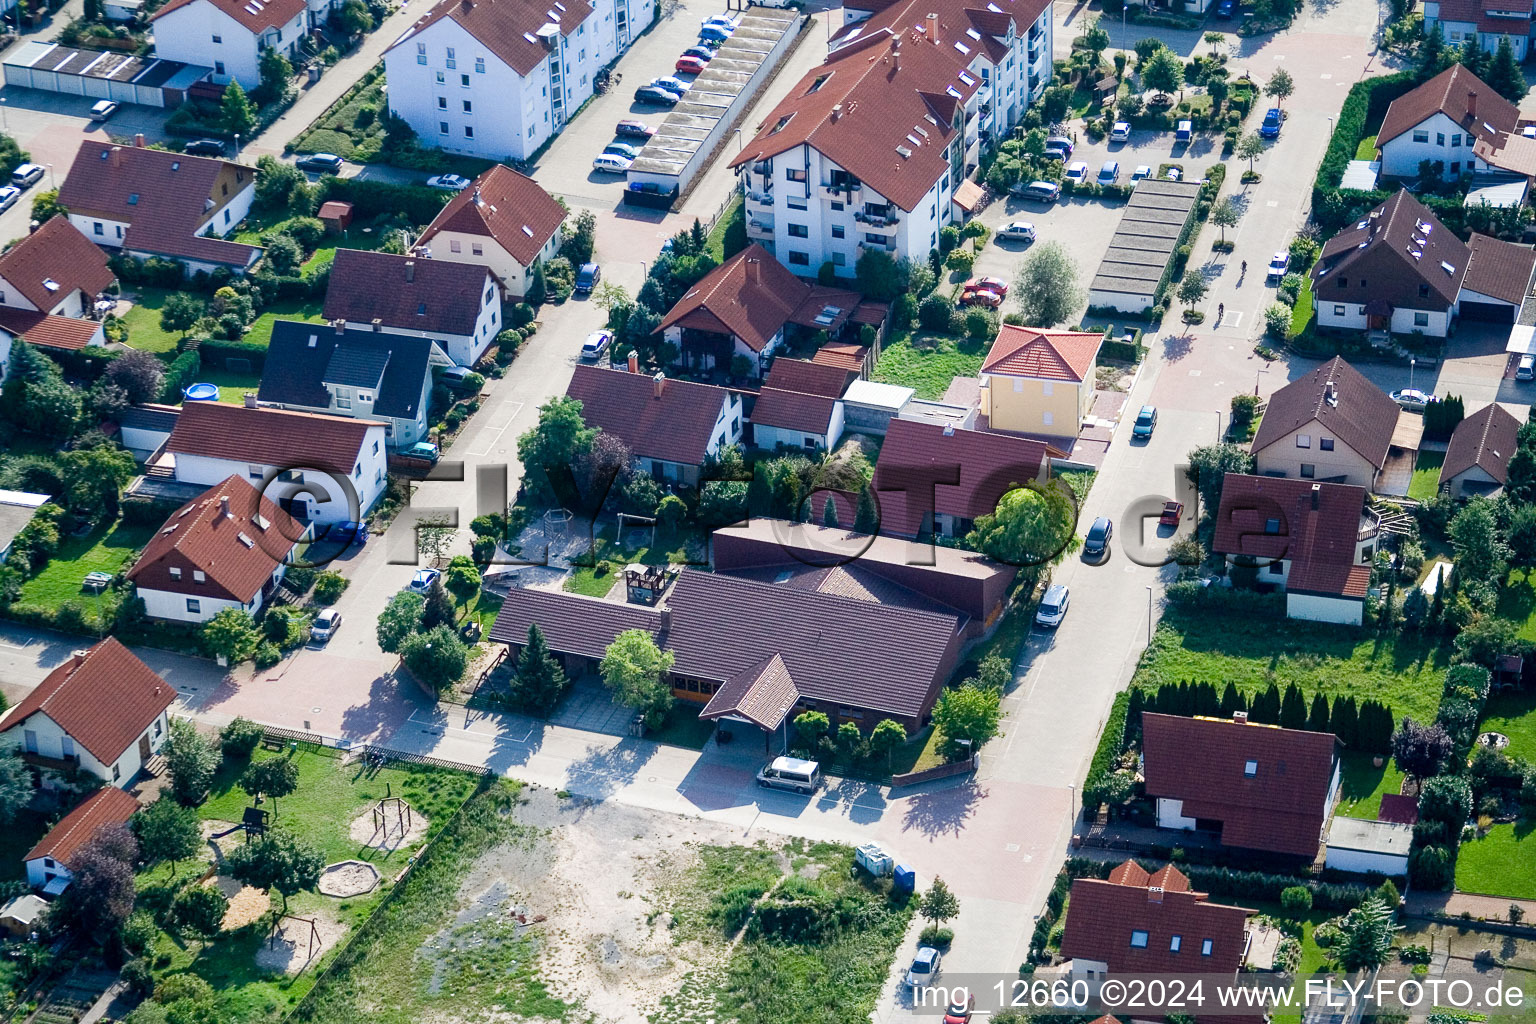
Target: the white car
(448, 182)
(1142, 171)
(421, 582)
(1174, 174)
(1077, 172)
(1121, 132)
(1279, 264)
(596, 345)
(8, 196)
(1410, 398)
(102, 110)
(925, 967)
(1018, 231)
(611, 163)
(324, 626)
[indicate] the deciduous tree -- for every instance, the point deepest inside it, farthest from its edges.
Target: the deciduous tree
(191, 760)
(275, 777)
(1033, 525)
(1046, 287)
(1280, 86)
(1421, 751)
(437, 658)
(399, 620)
(278, 861)
(167, 831)
(635, 670)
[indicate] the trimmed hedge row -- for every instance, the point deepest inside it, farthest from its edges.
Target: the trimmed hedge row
(1111, 742)
(416, 203)
(216, 354)
(1367, 99)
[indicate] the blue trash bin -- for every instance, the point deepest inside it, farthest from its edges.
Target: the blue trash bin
(905, 879)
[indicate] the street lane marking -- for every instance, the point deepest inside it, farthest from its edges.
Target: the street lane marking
(492, 434)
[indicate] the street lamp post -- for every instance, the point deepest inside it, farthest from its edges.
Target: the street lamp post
(51, 182)
(1218, 426)
(1256, 375)
(5, 122)
(1412, 362)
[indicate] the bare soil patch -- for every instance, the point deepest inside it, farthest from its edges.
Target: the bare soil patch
(246, 904)
(348, 878)
(290, 950)
(390, 829)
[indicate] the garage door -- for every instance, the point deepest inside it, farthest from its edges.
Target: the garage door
(1488, 312)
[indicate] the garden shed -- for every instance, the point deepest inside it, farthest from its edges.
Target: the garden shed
(1355, 844)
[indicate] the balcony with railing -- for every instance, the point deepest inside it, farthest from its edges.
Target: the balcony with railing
(760, 226)
(845, 191)
(56, 764)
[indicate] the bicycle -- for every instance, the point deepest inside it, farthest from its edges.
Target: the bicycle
(1220, 310)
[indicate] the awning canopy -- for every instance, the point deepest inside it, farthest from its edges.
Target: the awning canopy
(968, 196)
(762, 694)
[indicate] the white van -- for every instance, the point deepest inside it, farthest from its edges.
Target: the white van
(790, 773)
(1527, 368)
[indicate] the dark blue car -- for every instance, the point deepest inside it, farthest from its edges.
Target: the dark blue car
(1225, 8)
(1270, 129)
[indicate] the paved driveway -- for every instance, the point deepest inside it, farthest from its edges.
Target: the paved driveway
(1084, 226)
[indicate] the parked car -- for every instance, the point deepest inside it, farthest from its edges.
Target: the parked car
(1041, 191)
(704, 53)
(1278, 265)
(1526, 370)
(8, 196)
(455, 377)
(587, 278)
(960, 1009)
(1121, 132)
(723, 20)
(608, 163)
(1411, 398)
(991, 284)
(596, 345)
(325, 624)
(27, 175)
(981, 297)
(690, 65)
(671, 83)
(1142, 171)
(925, 967)
(1109, 173)
(659, 97)
(103, 109)
(634, 128)
(1173, 174)
(624, 149)
(1060, 143)
(422, 450)
(448, 182)
(1173, 511)
(716, 33)
(1053, 606)
(1096, 543)
(1018, 231)
(1077, 172)
(1146, 422)
(792, 773)
(421, 582)
(349, 533)
(1270, 128)
(1226, 8)
(204, 147)
(320, 163)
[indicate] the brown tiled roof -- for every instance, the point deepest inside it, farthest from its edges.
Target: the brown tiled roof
(104, 699)
(763, 694)
(56, 254)
(1515, 153)
(793, 410)
(1485, 439)
(809, 378)
(509, 207)
(162, 196)
(255, 16)
(506, 27)
(48, 330)
(1319, 541)
(106, 807)
(1499, 269)
(1398, 808)
(844, 355)
(236, 553)
(1282, 808)
(1450, 93)
(1036, 352)
(406, 292)
(751, 295)
(1102, 916)
(270, 437)
(571, 623)
(674, 426)
(973, 470)
(1363, 416)
(1476, 12)
(334, 209)
(1372, 260)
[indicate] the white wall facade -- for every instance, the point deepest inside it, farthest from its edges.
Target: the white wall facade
(1459, 32)
(101, 231)
(190, 606)
(323, 497)
(228, 217)
(460, 247)
(1348, 611)
(1170, 814)
(1436, 138)
(1366, 862)
(39, 734)
(200, 33)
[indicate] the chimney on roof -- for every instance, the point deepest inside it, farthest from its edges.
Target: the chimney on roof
(1471, 102)
(224, 507)
(138, 140)
(410, 271)
(658, 384)
(1154, 894)
(634, 361)
(837, 111)
(896, 54)
(1317, 489)
(933, 28)
(250, 399)
(1240, 717)
(754, 270)
(666, 620)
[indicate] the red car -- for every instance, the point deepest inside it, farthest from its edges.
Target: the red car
(960, 1010)
(690, 65)
(991, 284)
(981, 297)
(1172, 512)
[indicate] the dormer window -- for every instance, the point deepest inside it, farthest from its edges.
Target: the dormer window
(1423, 291)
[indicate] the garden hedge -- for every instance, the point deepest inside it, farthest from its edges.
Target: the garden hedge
(1111, 742)
(216, 354)
(1228, 883)
(377, 198)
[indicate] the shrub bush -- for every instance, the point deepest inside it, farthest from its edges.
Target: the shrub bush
(240, 738)
(1111, 741)
(1296, 900)
(936, 935)
(329, 586)
(934, 313)
(267, 655)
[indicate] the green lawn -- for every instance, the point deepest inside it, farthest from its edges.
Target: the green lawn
(1426, 476)
(595, 580)
(1313, 958)
(1366, 150)
(143, 322)
(105, 549)
(1514, 715)
(260, 331)
(1363, 785)
(928, 362)
(1502, 863)
(1213, 645)
(1517, 602)
(1301, 313)
(232, 386)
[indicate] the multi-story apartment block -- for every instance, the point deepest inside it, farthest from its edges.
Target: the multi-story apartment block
(497, 78)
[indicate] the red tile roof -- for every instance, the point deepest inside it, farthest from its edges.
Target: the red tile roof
(1477, 13)
(406, 292)
(1398, 808)
(256, 16)
(1281, 808)
(808, 377)
(270, 437)
(507, 28)
(1049, 355)
(752, 296)
(1268, 517)
(1451, 93)
(968, 471)
(1499, 269)
(104, 699)
(844, 355)
(503, 205)
(236, 551)
(50, 331)
(1359, 413)
(162, 196)
(670, 420)
(106, 807)
(1105, 916)
(1485, 439)
(794, 410)
(53, 261)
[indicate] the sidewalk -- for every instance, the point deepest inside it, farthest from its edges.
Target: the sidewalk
(1454, 904)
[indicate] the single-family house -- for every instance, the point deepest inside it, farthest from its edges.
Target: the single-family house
(942, 478)
(48, 863)
(102, 712)
(226, 549)
(1442, 121)
(1399, 269)
(744, 307)
(1329, 424)
(498, 78)
(1038, 381)
(353, 371)
(54, 270)
(800, 405)
(152, 202)
(1477, 459)
(1260, 786)
(457, 305)
(16, 510)
(504, 221)
(671, 426)
(1486, 21)
(1316, 541)
(318, 468)
(230, 35)
(1366, 847)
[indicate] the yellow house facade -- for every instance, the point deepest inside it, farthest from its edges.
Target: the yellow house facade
(1036, 381)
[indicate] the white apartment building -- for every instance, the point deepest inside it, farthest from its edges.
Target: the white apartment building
(229, 35)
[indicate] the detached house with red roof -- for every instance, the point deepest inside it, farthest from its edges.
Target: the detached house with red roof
(49, 283)
(499, 78)
(504, 221)
(229, 34)
(1486, 21)
(102, 712)
(1477, 459)
(48, 863)
(226, 549)
(1036, 381)
(800, 405)
(457, 305)
(1455, 120)
(1260, 786)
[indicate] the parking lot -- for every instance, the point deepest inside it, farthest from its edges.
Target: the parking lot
(1084, 226)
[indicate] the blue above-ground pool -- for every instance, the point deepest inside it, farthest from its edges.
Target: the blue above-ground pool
(201, 393)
